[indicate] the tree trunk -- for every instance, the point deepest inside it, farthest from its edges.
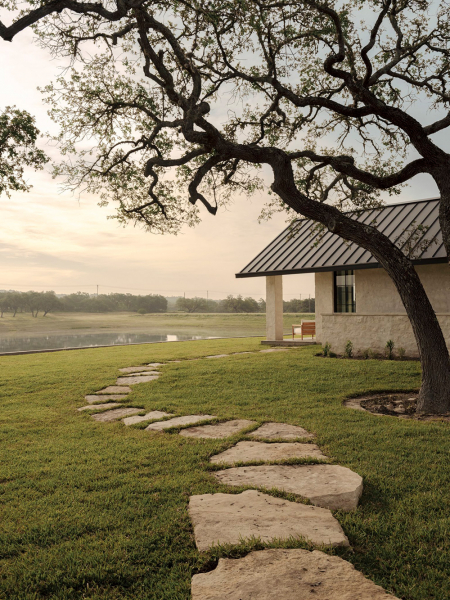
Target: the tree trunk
(434, 395)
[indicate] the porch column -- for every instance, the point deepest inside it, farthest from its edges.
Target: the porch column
(274, 307)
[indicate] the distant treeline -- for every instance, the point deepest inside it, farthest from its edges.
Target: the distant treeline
(45, 302)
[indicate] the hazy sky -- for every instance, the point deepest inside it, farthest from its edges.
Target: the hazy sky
(50, 240)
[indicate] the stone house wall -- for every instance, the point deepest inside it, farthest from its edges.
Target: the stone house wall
(380, 315)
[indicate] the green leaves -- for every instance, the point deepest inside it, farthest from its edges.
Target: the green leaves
(18, 135)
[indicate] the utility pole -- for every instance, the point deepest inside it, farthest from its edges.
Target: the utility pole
(309, 303)
(97, 290)
(207, 297)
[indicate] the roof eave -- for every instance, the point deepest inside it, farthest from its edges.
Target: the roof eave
(357, 267)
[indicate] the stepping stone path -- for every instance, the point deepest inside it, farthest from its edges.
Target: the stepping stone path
(329, 486)
(151, 416)
(100, 406)
(285, 575)
(219, 431)
(231, 518)
(135, 379)
(178, 421)
(281, 431)
(115, 389)
(113, 415)
(93, 399)
(245, 452)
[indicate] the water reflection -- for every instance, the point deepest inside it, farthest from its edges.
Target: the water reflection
(50, 342)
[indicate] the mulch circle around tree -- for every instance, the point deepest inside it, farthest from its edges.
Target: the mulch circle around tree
(401, 405)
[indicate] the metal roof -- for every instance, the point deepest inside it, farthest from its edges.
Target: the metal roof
(303, 248)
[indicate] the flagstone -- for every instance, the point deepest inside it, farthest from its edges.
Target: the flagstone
(230, 518)
(143, 369)
(260, 451)
(100, 406)
(154, 364)
(112, 415)
(285, 575)
(133, 380)
(217, 356)
(284, 431)
(115, 389)
(178, 421)
(328, 486)
(92, 399)
(273, 350)
(218, 431)
(151, 416)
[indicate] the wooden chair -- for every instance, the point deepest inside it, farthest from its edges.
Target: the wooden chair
(306, 328)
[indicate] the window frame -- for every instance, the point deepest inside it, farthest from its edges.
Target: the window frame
(349, 304)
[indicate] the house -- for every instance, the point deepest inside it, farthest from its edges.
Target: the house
(355, 298)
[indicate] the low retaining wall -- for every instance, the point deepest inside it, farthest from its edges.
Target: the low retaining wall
(373, 331)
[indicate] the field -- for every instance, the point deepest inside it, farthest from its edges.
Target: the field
(99, 511)
(210, 324)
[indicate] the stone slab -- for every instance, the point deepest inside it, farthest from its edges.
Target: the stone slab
(328, 486)
(219, 431)
(283, 431)
(273, 350)
(115, 389)
(178, 421)
(113, 415)
(102, 406)
(154, 364)
(230, 518)
(151, 416)
(285, 575)
(217, 356)
(259, 451)
(92, 399)
(143, 369)
(133, 380)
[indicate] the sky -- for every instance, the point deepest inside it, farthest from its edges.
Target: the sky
(56, 241)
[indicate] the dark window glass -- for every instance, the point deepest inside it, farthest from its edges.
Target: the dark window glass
(344, 292)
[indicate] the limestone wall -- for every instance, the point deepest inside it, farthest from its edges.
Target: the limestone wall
(380, 315)
(373, 331)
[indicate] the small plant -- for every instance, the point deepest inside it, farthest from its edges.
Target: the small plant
(332, 355)
(390, 350)
(372, 354)
(348, 349)
(366, 353)
(326, 349)
(401, 353)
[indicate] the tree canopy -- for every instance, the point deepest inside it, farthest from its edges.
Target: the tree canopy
(169, 105)
(18, 134)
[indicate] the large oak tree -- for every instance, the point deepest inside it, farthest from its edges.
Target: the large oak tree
(172, 104)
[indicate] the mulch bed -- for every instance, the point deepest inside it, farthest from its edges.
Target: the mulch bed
(401, 405)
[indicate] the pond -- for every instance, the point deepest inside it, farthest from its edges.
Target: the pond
(50, 342)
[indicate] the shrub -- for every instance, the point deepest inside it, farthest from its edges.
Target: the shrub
(366, 353)
(142, 311)
(401, 353)
(389, 350)
(326, 349)
(348, 349)
(372, 354)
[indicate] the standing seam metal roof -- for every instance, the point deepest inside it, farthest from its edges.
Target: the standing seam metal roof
(304, 248)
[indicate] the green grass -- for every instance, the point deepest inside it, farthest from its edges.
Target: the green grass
(210, 324)
(99, 511)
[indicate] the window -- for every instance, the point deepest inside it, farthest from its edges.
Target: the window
(344, 292)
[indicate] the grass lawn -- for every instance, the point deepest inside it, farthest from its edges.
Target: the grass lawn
(240, 324)
(99, 511)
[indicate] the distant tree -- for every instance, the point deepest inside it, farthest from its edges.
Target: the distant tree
(192, 305)
(32, 301)
(4, 304)
(153, 303)
(238, 304)
(15, 301)
(49, 302)
(262, 305)
(18, 135)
